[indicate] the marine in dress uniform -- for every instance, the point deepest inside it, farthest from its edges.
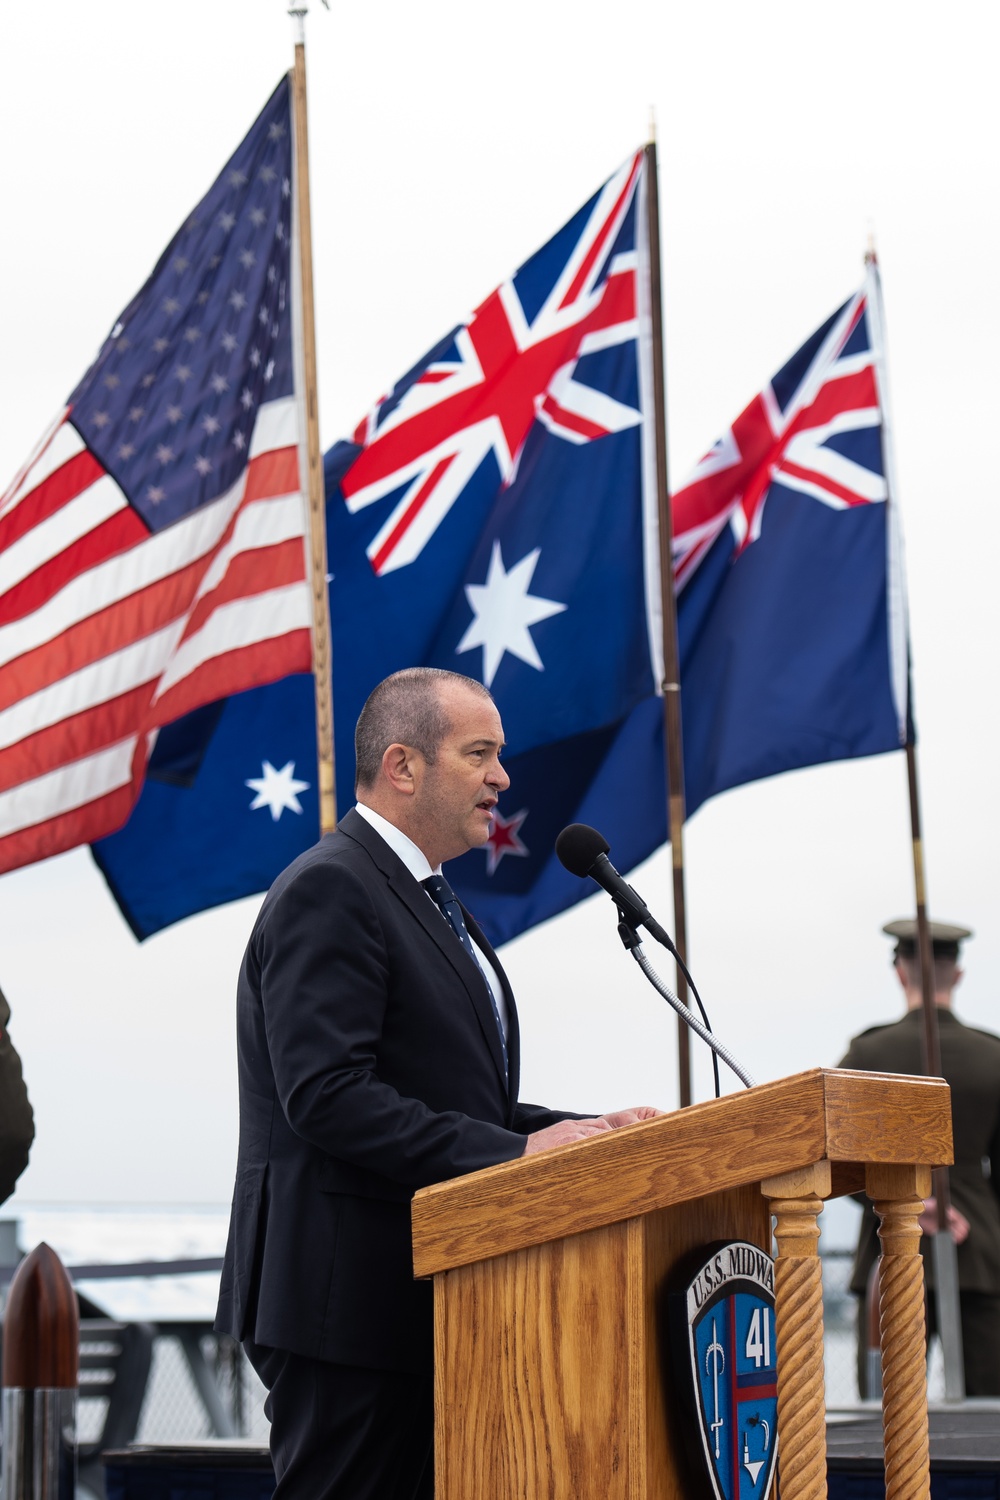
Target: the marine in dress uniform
(970, 1062)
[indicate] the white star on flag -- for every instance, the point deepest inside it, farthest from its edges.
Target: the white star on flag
(277, 789)
(503, 610)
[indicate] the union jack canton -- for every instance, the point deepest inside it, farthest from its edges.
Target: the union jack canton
(481, 389)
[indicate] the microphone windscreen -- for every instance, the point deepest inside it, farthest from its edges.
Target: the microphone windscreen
(578, 846)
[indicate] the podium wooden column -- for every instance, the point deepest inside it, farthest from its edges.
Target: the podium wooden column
(551, 1374)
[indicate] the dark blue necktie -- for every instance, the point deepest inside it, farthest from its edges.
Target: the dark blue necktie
(444, 897)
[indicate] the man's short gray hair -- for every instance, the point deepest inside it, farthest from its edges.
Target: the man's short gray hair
(405, 709)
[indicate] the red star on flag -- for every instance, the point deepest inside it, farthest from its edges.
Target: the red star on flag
(504, 838)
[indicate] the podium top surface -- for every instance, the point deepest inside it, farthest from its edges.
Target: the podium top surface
(850, 1119)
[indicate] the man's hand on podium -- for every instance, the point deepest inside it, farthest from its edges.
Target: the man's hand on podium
(578, 1130)
(632, 1116)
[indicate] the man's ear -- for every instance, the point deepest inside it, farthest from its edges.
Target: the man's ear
(398, 765)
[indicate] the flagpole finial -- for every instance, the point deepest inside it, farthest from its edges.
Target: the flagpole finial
(298, 11)
(652, 125)
(871, 259)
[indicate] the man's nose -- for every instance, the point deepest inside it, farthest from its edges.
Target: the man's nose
(498, 777)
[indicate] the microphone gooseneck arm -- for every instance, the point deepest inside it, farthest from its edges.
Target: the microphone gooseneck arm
(633, 943)
(584, 852)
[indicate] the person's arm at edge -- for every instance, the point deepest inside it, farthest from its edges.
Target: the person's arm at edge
(17, 1124)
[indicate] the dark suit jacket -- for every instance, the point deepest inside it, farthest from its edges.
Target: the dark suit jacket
(369, 1066)
(970, 1061)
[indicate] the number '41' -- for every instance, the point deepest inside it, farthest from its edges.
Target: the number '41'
(759, 1348)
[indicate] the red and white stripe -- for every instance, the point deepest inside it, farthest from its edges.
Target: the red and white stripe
(108, 632)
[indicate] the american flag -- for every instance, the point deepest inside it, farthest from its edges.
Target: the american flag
(152, 553)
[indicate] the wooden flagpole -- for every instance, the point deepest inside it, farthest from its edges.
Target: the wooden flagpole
(671, 684)
(945, 1263)
(925, 948)
(321, 650)
(946, 1285)
(931, 1036)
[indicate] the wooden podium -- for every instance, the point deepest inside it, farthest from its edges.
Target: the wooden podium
(551, 1378)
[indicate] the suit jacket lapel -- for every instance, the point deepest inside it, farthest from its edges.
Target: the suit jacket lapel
(435, 924)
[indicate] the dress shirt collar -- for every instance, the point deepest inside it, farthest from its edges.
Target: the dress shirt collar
(413, 858)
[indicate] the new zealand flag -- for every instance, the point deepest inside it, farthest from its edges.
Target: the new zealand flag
(494, 514)
(788, 565)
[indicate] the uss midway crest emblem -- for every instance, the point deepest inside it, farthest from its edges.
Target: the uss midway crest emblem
(726, 1363)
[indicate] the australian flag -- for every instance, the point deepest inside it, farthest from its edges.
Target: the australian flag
(495, 514)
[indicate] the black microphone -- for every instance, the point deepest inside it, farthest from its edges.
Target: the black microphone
(583, 851)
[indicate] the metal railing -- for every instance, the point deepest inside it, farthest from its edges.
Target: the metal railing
(201, 1385)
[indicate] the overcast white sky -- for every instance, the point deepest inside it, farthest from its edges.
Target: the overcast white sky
(448, 141)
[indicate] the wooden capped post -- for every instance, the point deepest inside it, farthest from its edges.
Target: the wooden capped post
(41, 1350)
(898, 1194)
(796, 1203)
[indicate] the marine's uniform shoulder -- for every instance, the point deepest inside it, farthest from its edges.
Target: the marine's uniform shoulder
(874, 1031)
(980, 1034)
(872, 1035)
(871, 1049)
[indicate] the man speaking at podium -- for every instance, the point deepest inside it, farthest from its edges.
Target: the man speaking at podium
(378, 1052)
